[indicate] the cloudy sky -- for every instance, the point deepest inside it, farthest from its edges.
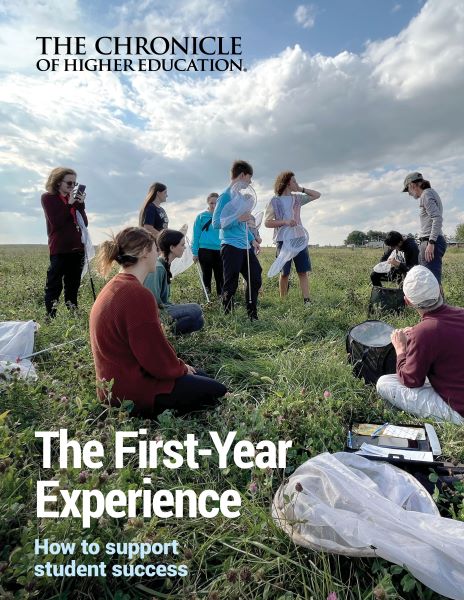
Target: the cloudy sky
(349, 94)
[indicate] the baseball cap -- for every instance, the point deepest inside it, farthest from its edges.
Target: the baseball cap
(421, 287)
(411, 178)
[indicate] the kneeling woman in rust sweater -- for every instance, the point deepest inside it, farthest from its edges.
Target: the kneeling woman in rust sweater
(128, 342)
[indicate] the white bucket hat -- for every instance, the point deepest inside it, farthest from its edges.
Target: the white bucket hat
(421, 287)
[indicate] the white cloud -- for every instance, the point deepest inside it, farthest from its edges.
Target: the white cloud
(350, 126)
(426, 58)
(396, 8)
(23, 21)
(305, 15)
(178, 17)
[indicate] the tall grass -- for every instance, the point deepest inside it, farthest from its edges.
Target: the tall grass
(277, 370)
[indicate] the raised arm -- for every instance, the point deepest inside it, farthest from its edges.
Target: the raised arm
(310, 195)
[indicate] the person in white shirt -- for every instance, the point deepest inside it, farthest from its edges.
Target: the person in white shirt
(284, 211)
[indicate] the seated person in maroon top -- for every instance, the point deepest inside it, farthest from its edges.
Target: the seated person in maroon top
(64, 238)
(429, 380)
(128, 343)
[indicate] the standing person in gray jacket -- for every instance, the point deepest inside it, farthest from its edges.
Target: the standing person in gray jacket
(432, 242)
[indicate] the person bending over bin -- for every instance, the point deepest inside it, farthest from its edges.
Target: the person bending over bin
(128, 342)
(186, 318)
(429, 380)
(402, 254)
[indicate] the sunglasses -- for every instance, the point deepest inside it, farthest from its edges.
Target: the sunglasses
(69, 183)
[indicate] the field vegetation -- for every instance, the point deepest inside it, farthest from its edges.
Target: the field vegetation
(288, 379)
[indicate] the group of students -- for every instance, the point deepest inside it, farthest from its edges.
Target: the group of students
(225, 250)
(429, 378)
(230, 250)
(128, 342)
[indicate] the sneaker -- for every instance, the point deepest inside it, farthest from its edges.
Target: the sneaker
(306, 300)
(252, 313)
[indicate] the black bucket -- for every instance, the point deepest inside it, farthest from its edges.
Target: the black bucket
(370, 350)
(386, 300)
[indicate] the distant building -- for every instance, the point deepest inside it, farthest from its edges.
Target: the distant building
(374, 244)
(455, 243)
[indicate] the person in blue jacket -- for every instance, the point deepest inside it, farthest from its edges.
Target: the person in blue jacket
(206, 246)
(238, 249)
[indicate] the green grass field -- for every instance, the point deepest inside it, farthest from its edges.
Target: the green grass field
(277, 370)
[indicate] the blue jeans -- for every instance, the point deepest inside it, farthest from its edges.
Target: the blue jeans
(186, 317)
(435, 264)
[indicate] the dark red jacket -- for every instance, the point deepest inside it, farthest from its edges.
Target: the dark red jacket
(435, 349)
(63, 235)
(129, 345)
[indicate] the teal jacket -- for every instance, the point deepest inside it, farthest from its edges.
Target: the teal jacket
(204, 238)
(158, 285)
(235, 233)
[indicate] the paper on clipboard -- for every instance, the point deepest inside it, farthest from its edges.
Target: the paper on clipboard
(371, 450)
(398, 431)
(408, 433)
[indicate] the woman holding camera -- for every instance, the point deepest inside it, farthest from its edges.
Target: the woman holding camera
(61, 208)
(128, 343)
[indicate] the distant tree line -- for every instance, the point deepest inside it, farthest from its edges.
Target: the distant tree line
(359, 238)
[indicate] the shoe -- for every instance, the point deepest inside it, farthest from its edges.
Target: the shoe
(306, 300)
(227, 304)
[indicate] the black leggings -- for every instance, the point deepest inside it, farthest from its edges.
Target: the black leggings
(190, 393)
(235, 262)
(211, 261)
(64, 269)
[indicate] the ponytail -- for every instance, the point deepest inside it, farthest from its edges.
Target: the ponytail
(106, 254)
(125, 248)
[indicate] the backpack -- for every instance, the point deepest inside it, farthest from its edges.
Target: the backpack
(370, 350)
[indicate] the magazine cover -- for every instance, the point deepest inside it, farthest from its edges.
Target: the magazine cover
(198, 201)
